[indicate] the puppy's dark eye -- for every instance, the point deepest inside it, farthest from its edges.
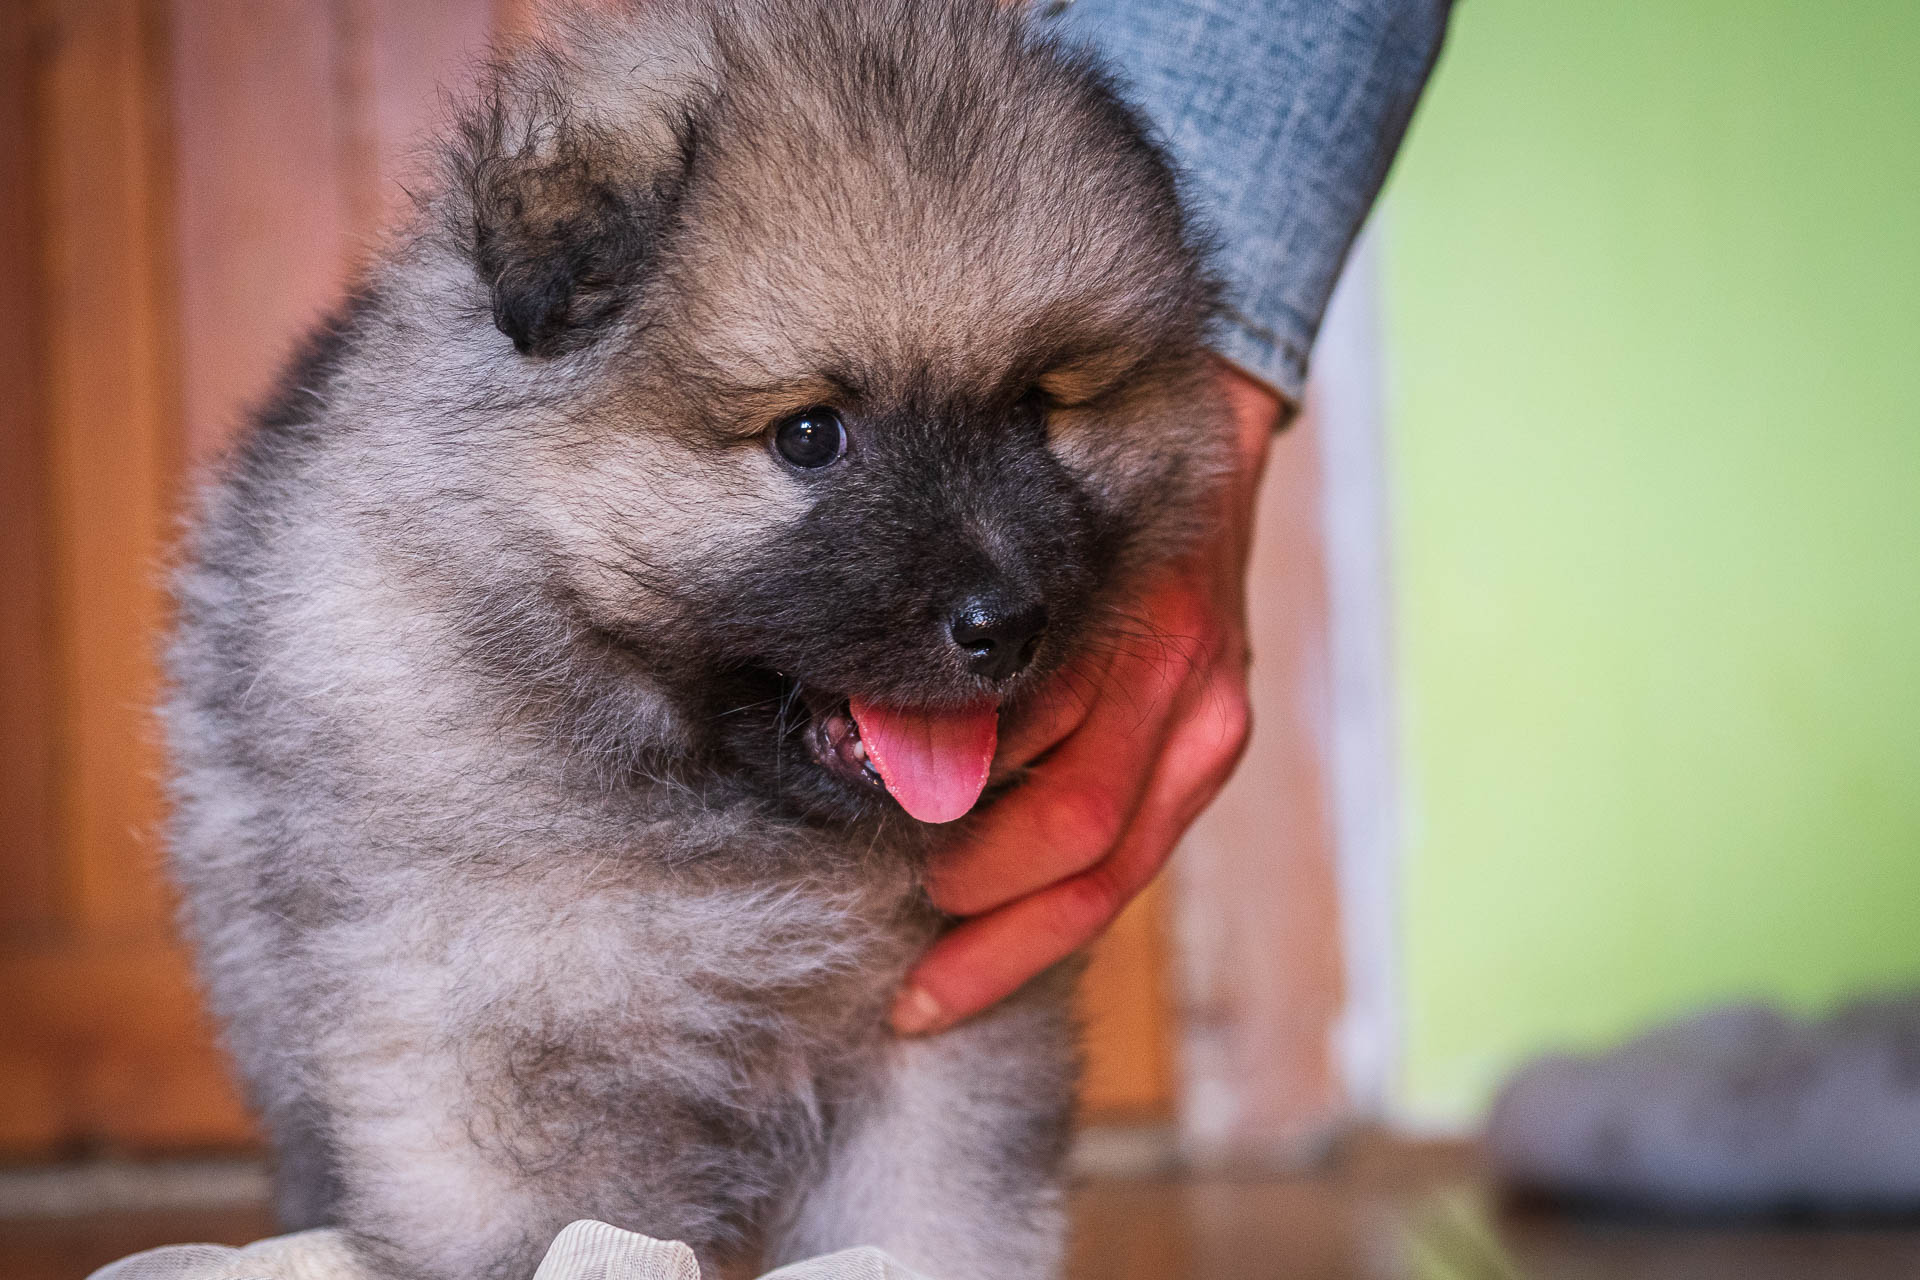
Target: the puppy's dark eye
(811, 438)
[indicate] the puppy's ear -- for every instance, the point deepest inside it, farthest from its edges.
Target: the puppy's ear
(563, 214)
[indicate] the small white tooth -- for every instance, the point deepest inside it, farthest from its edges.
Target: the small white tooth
(859, 751)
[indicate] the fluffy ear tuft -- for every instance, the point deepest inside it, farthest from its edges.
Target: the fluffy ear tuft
(563, 217)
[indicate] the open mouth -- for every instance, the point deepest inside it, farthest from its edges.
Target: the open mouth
(933, 761)
(834, 738)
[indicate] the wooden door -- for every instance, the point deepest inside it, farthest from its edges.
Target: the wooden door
(101, 1035)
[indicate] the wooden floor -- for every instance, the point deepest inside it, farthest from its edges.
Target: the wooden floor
(1383, 1214)
(1394, 1213)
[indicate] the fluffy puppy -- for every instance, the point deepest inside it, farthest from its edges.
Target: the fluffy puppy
(576, 661)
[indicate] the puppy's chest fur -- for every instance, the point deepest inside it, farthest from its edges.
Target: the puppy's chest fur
(569, 1028)
(574, 996)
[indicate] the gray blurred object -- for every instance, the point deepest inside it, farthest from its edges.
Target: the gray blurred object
(1740, 1110)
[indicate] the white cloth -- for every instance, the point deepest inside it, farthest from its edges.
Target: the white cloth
(583, 1251)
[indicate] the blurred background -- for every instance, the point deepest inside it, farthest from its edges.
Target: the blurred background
(1586, 612)
(1652, 288)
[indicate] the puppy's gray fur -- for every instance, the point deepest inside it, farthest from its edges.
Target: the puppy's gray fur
(515, 893)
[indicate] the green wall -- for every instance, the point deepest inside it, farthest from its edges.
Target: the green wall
(1653, 288)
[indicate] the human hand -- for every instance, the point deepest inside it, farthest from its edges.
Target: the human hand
(1135, 745)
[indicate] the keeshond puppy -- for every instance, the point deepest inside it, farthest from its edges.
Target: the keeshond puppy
(579, 658)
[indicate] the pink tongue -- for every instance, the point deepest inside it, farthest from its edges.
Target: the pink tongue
(934, 762)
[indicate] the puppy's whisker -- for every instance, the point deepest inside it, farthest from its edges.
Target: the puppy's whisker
(752, 706)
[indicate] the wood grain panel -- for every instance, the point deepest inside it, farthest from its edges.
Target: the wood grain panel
(423, 54)
(102, 1043)
(1126, 1003)
(119, 1053)
(298, 124)
(111, 446)
(265, 204)
(29, 780)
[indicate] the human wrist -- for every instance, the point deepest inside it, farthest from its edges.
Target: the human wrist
(1257, 409)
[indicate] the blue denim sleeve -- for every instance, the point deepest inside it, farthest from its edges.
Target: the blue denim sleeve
(1283, 115)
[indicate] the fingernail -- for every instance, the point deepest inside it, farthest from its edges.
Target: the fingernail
(915, 1012)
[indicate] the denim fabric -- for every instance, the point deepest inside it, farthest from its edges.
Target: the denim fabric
(1284, 115)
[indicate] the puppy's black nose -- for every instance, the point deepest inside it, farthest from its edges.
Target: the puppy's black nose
(998, 638)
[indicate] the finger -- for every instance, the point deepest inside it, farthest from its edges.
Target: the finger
(1056, 711)
(1170, 618)
(988, 958)
(1074, 805)
(1202, 752)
